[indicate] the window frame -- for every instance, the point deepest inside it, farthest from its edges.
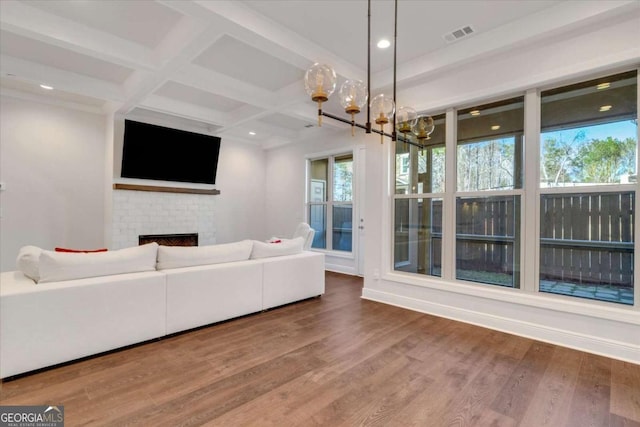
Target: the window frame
(530, 193)
(329, 203)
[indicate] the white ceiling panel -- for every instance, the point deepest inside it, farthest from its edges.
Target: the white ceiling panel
(236, 59)
(341, 26)
(199, 97)
(286, 122)
(63, 59)
(141, 21)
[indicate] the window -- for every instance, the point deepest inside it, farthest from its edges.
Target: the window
(589, 144)
(580, 195)
(489, 159)
(330, 202)
(418, 204)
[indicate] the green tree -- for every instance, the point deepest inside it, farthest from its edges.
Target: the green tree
(604, 160)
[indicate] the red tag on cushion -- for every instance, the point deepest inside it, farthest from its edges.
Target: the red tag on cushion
(276, 241)
(80, 251)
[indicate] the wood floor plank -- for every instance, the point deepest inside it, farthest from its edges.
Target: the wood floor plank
(591, 399)
(548, 408)
(339, 360)
(618, 421)
(515, 396)
(625, 390)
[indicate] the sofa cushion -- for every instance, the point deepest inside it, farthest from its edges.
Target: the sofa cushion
(28, 261)
(58, 266)
(188, 256)
(285, 247)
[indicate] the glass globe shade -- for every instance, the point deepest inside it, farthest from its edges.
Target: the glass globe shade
(320, 82)
(405, 119)
(424, 127)
(382, 108)
(353, 96)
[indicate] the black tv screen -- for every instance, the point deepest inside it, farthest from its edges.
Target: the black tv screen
(160, 153)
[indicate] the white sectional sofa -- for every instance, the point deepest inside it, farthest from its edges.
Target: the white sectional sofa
(47, 323)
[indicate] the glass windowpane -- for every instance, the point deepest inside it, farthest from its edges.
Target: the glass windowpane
(319, 176)
(489, 154)
(421, 170)
(342, 228)
(487, 240)
(418, 236)
(586, 245)
(589, 133)
(318, 221)
(343, 179)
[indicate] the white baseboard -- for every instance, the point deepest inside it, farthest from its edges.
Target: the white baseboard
(563, 337)
(336, 268)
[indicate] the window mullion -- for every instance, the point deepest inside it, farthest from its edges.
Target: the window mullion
(448, 216)
(530, 223)
(330, 173)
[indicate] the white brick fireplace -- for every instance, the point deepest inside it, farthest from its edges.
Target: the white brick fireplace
(137, 213)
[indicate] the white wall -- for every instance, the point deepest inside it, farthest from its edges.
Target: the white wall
(240, 207)
(52, 163)
(286, 186)
(57, 165)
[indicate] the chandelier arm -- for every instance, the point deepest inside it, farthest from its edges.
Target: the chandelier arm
(361, 126)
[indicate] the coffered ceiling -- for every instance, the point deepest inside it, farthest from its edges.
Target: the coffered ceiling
(234, 67)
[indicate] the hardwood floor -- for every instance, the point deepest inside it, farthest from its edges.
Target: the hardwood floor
(339, 360)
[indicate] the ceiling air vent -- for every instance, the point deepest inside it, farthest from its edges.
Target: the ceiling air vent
(458, 34)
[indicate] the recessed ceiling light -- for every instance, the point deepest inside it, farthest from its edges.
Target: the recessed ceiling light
(252, 133)
(605, 108)
(47, 87)
(475, 112)
(384, 43)
(603, 86)
(495, 127)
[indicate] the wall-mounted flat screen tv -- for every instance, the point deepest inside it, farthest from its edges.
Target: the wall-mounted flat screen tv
(160, 153)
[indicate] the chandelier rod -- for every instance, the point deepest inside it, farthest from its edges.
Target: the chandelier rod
(368, 125)
(395, 44)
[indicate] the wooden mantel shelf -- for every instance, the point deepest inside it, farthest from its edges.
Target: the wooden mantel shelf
(155, 188)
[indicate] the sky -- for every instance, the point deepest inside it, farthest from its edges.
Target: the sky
(619, 130)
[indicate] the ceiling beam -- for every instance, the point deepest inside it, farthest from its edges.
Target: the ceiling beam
(31, 22)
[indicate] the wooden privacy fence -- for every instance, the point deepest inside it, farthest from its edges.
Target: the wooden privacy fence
(486, 234)
(587, 238)
(584, 238)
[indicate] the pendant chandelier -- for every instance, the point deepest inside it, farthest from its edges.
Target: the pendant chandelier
(320, 83)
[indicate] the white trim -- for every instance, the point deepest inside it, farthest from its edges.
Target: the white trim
(336, 268)
(335, 254)
(530, 202)
(449, 199)
(636, 250)
(563, 337)
(561, 303)
(490, 193)
(25, 96)
(611, 188)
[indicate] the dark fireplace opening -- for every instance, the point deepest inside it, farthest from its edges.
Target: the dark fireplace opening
(189, 239)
